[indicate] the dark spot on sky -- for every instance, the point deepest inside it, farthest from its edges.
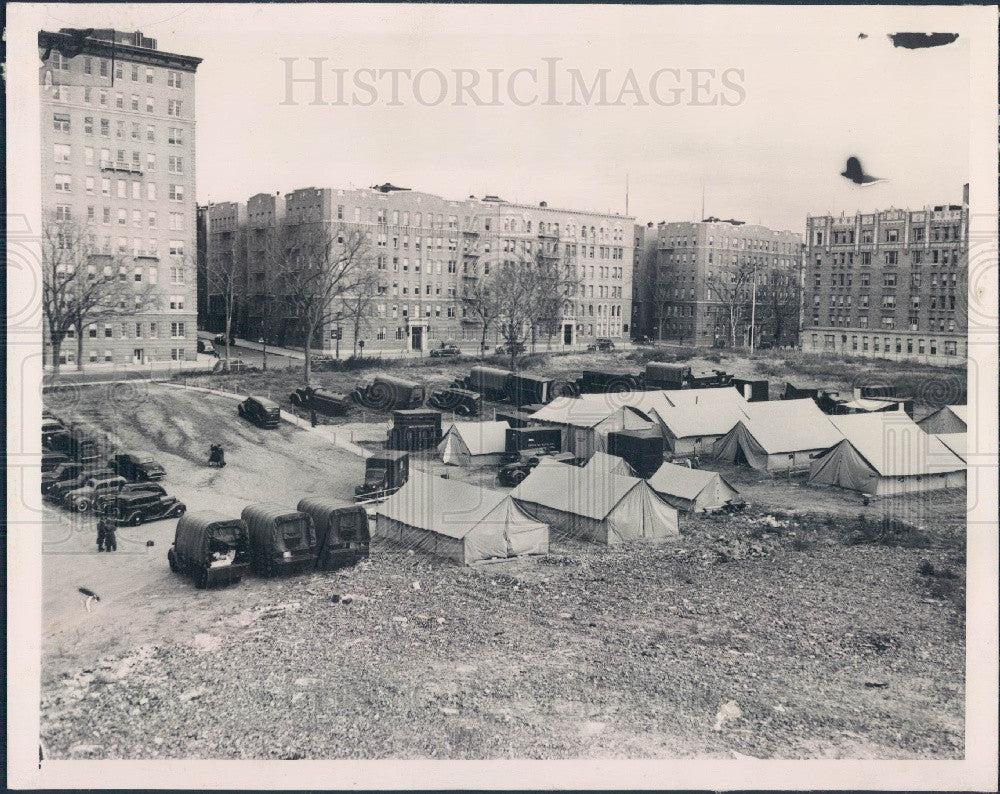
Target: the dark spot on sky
(916, 41)
(856, 173)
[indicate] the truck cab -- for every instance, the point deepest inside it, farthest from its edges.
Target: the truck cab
(385, 473)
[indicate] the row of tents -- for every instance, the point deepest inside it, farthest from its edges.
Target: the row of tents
(876, 453)
(601, 502)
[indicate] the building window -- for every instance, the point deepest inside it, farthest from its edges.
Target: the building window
(63, 183)
(173, 79)
(176, 302)
(60, 122)
(175, 164)
(175, 136)
(177, 192)
(176, 330)
(151, 191)
(173, 107)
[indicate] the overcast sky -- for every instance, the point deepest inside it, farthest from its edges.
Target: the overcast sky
(811, 92)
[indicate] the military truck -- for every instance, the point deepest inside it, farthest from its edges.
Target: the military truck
(321, 400)
(388, 393)
(415, 429)
(385, 473)
(602, 382)
(659, 375)
(461, 401)
(211, 548)
(502, 385)
(281, 540)
(342, 535)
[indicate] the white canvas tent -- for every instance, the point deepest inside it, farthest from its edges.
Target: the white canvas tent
(596, 506)
(587, 420)
(464, 523)
(949, 419)
(884, 454)
(956, 442)
(691, 420)
(779, 436)
(692, 490)
(474, 443)
(603, 463)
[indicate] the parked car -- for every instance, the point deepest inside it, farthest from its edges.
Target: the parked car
(82, 498)
(326, 402)
(51, 460)
(512, 474)
(236, 365)
(261, 411)
(446, 349)
(136, 466)
(220, 339)
(642, 340)
(207, 348)
(210, 547)
(601, 344)
(105, 503)
(322, 363)
(67, 472)
(50, 429)
(517, 347)
(139, 507)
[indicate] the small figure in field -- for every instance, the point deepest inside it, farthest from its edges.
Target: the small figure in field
(217, 456)
(106, 538)
(312, 417)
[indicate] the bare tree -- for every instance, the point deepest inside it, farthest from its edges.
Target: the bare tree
(314, 265)
(731, 289)
(481, 298)
(778, 306)
(81, 285)
(357, 303)
(226, 279)
(556, 284)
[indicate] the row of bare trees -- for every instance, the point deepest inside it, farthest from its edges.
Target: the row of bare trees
(521, 297)
(82, 286)
(767, 310)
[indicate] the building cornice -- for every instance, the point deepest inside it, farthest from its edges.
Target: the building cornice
(69, 45)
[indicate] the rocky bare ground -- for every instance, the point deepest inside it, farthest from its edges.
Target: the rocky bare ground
(757, 636)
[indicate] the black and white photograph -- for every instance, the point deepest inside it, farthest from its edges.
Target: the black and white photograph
(497, 396)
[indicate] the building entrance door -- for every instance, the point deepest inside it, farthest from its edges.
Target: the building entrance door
(416, 337)
(567, 333)
(137, 356)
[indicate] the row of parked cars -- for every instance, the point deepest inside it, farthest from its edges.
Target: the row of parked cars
(269, 539)
(84, 471)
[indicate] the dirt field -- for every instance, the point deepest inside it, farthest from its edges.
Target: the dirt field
(775, 634)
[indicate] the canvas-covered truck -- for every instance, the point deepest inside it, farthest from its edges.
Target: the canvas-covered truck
(321, 400)
(502, 385)
(281, 540)
(389, 393)
(461, 402)
(385, 473)
(342, 535)
(659, 375)
(603, 382)
(211, 548)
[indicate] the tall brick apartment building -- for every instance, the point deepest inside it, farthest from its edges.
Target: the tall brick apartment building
(889, 284)
(118, 159)
(425, 248)
(691, 255)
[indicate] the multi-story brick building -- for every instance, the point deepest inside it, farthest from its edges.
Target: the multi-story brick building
(118, 160)
(644, 274)
(425, 249)
(698, 265)
(888, 284)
